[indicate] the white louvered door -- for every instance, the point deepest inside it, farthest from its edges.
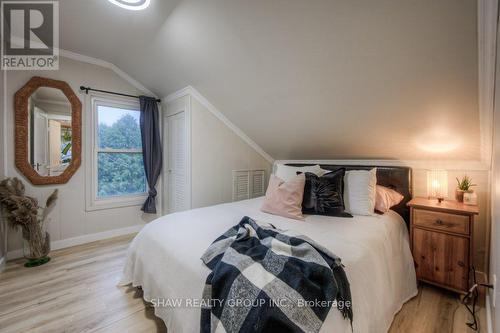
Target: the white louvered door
(177, 172)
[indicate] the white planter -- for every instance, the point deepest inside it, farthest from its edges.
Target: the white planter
(470, 198)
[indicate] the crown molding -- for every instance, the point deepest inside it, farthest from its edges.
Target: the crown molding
(105, 64)
(487, 12)
(178, 94)
(191, 91)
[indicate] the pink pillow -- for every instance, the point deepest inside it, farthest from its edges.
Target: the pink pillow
(385, 198)
(285, 198)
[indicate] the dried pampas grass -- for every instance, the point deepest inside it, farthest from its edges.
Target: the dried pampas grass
(23, 212)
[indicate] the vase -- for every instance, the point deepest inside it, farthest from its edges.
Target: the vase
(459, 195)
(36, 248)
(470, 198)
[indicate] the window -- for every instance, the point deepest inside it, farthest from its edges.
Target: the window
(118, 177)
(120, 169)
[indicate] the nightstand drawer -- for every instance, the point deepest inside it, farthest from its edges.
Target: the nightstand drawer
(442, 221)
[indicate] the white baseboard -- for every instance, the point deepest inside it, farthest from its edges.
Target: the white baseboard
(73, 241)
(483, 278)
(2, 264)
(489, 323)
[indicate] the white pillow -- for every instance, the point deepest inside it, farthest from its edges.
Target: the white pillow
(360, 189)
(286, 172)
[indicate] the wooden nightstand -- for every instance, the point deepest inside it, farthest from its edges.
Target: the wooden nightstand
(441, 239)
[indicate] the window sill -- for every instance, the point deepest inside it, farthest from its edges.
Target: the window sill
(118, 202)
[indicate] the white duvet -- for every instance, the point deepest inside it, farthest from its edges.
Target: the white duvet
(164, 258)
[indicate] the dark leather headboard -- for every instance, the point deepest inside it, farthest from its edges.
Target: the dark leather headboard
(395, 177)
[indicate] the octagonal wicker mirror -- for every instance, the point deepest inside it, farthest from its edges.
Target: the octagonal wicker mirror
(48, 131)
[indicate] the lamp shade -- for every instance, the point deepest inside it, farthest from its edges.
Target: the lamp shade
(437, 184)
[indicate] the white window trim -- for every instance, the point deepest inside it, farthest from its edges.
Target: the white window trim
(92, 202)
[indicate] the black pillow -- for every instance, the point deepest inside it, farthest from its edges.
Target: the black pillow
(324, 195)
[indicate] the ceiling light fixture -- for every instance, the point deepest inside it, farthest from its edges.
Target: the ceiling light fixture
(131, 4)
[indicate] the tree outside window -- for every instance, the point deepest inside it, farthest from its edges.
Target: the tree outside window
(120, 168)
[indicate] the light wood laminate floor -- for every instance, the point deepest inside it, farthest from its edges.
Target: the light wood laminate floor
(77, 292)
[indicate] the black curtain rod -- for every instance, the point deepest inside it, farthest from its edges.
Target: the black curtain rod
(87, 89)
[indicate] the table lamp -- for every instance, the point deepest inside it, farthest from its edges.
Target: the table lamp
(437, 184)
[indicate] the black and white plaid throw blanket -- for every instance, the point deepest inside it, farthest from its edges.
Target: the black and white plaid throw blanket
(267, 280)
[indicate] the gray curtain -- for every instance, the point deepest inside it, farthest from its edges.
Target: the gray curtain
(151, 148)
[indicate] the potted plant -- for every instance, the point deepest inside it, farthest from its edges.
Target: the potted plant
(463, 187)
(24, 213)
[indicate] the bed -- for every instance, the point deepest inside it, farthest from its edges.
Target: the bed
(164, 258)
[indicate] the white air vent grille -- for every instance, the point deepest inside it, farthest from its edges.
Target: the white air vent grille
(257, 178)
(241, 185)
(248, 184)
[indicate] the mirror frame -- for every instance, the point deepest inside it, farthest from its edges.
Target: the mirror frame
(22, 128)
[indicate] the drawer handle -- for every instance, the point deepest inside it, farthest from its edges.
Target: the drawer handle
(439, 222)
(461, 264)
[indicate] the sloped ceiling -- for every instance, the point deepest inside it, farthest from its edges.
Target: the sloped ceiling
(306, 79)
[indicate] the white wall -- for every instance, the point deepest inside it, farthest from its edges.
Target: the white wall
(495, 219)
(495, 204)
(3, 234)
(69, 218)
(3, 125)
(216, 152)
